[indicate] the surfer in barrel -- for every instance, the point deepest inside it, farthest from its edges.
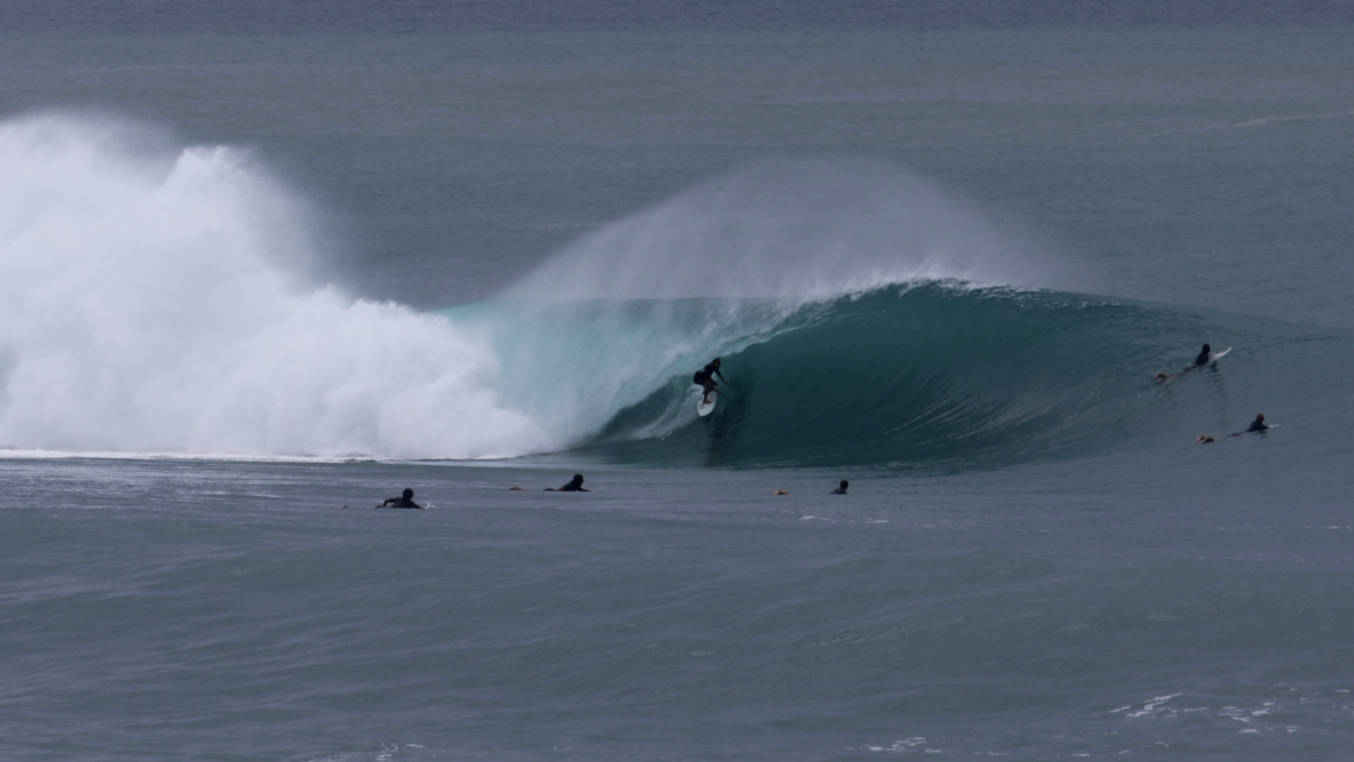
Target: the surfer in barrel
(405, 500)
(705, 378)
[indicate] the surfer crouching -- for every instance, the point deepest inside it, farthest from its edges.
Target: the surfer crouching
(705, 378)
(406, 500)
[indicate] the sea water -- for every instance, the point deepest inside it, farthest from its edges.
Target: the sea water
(261, 270)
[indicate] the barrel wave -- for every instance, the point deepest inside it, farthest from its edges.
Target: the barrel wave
(151, 303)
(929, 376)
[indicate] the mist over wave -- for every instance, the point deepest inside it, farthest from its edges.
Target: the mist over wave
(623, 316)
(797, 230)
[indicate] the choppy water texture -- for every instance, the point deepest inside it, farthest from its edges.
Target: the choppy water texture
(253, 283)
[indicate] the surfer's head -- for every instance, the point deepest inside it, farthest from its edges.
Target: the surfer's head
(1259, 416)
(845, 484)
(1208, 348)
(715, 362)
(578, 479)
(408, 494)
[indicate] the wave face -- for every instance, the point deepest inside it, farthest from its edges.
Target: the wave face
(935, 375)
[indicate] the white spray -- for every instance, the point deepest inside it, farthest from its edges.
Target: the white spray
(143, 309)
(797, 230)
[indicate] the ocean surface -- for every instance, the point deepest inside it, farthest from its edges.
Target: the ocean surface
(266, 265)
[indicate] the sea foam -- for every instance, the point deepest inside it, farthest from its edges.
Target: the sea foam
(147, 305)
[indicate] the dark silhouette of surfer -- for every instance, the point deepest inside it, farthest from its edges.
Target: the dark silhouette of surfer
(405, 500)
(575, 485)
(842, 488)
(705, 377)
(1258, 426)
(1203, 357)
(1200, 362)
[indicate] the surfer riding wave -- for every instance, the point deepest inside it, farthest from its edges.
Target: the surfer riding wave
(705, 378)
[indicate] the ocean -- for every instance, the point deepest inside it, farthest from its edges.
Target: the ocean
(263, 266)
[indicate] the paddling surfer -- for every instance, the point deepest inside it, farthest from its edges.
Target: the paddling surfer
(1258, 426)
(1201, 361)
(575, 485)
(405, 500)
(705, 378)
(1204, 357)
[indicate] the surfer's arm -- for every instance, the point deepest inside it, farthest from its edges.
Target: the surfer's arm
(721, 376)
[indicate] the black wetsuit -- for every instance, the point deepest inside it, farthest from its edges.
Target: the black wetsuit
(1203, 358)
(707, 373)
(1257, 425)
(574, 485)
(399, 502)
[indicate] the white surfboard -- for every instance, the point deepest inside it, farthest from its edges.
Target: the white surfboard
(1215, 355)
(704, 408)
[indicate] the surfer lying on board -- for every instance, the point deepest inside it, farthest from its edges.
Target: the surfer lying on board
(1205, 357)
(841, 490)
(1258, 426)
(405, 500)
(575, 485)
(705, 377)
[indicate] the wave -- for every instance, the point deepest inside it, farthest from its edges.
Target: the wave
(153, 299)
(934, 375)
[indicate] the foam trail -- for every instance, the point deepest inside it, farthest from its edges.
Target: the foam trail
(143, 308)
